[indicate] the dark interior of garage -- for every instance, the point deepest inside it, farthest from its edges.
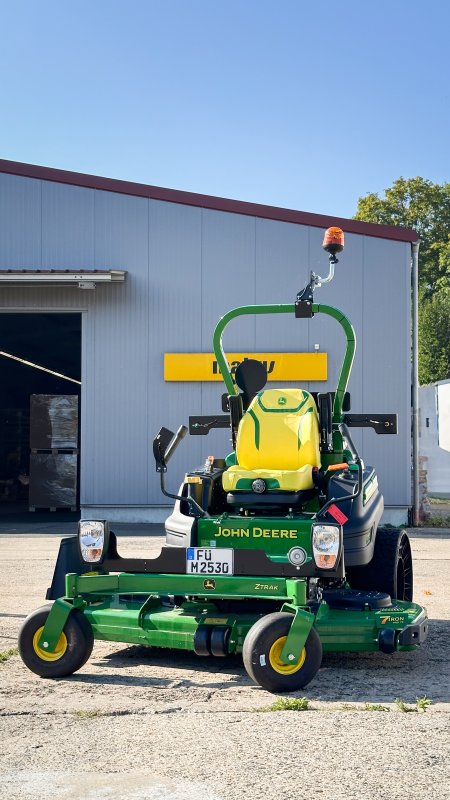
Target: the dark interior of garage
(39, 412)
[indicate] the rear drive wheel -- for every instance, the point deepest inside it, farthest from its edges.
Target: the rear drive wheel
(262, 655)
(391, 568)
(72, 650)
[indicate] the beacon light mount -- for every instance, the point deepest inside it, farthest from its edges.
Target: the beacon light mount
(333, 242)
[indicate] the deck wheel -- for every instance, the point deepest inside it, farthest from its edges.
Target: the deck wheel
(262, 655)
(72, 649)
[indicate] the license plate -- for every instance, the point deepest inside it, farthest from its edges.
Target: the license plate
(209, 561)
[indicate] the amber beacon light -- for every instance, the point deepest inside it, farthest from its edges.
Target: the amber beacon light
(333, 241)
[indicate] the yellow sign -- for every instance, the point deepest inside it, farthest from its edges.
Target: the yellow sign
(280, 366)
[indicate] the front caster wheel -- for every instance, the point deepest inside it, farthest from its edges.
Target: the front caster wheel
(72, 650)
(262, 650)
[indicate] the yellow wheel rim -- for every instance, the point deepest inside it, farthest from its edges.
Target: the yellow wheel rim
(276, 662)
(60, 648)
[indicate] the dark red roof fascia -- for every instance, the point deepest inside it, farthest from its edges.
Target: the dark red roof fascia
(206, 201)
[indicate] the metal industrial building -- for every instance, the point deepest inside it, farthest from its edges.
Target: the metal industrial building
(169, 264)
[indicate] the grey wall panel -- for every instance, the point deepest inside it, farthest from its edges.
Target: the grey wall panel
(386, 362)
(174, 326)
(282, 257)
(20, 223)
(228, 253)
(40, 298)
(67, 226)
(116, 382)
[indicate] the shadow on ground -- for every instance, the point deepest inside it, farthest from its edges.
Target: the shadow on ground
(343, 677)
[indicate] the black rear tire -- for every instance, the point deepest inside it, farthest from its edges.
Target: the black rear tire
(72, 651)
(391, 568)
(262, 647)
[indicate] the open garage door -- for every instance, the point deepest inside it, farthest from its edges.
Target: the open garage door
(40, 386)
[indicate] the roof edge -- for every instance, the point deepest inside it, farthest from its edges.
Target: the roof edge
(206, 201)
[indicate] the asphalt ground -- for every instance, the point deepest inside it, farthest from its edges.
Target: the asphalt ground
(164, 725)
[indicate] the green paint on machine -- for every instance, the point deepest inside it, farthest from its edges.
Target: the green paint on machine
(263, 533)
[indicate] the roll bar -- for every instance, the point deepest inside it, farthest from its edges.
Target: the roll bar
(289, 308)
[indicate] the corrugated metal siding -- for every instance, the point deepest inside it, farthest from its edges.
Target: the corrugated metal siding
(228, 253)
(175, 326)
(20, 222)
(385, 357)
(186, 267)
(67, 226)
(116, 393)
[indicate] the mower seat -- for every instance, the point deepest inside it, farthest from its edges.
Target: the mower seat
(278, 442)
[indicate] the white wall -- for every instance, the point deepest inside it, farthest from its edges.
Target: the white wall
(434, 429)
(443, 405)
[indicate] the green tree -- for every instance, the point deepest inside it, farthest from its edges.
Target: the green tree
(434, 338)
(425, 206)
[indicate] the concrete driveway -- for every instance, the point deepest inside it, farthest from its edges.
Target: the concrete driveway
(141, 723)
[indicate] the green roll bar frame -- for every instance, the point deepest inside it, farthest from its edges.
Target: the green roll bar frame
(288, 308)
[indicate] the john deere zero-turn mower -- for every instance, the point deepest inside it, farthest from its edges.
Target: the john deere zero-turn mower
(274, 551)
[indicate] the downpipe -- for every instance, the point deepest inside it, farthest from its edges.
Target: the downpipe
(415, 383)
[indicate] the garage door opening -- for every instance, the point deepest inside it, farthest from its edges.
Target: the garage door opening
(40, 387)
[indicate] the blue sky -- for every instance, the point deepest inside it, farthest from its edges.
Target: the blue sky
(296, 104)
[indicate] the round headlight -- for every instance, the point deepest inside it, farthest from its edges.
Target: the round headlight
(297, 556)
(92, 537)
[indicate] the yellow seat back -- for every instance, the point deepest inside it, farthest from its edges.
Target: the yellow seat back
(280, 431)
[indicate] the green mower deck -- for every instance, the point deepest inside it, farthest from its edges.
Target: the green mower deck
(127, 608)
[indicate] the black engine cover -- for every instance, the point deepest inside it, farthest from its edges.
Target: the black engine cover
(363, 518)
